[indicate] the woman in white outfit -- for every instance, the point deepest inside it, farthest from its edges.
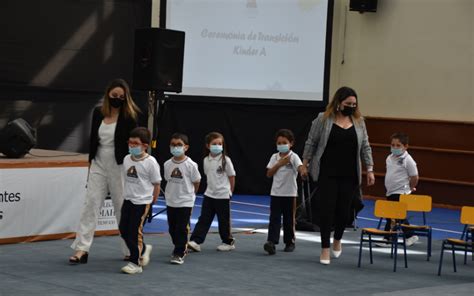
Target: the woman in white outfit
(110, 129)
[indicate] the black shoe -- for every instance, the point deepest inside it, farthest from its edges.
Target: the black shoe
(289, 248)
(79, 260)
(270, 248)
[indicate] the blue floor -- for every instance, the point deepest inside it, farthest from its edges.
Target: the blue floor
(252, 212)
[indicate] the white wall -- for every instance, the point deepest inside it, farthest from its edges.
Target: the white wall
(410, 59)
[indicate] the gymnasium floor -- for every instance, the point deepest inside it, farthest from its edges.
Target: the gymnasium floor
(42, 269)
(252, 212)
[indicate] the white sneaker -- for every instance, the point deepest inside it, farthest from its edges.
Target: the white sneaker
(194, 246)
(225, 247)
(132, 268)
(175, 259)
(146, 255)
(384, 244)
(411, 241)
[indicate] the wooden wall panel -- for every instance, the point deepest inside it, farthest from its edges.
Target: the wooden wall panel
(424, 133)
(443, 150)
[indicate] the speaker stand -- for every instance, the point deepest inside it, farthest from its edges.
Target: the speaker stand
(155, 110)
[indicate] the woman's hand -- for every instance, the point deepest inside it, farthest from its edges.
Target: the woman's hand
(370, 178)
(304, 172)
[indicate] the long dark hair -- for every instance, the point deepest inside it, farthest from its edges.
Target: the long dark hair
(208, 139)
(340, 95)
(129, 108)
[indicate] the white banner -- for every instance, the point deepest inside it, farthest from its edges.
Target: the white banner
(44, 201)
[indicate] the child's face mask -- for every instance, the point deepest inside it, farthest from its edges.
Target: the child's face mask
(397, 151)
(215, 149)
(135, 151)
(177, 151)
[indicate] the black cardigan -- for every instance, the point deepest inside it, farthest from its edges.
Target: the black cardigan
(122, 133)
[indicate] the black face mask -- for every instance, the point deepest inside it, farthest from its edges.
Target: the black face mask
(348, 111)
(116, 102)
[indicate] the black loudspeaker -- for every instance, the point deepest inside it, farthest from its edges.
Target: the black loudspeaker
(363, 5)
(158, 62)
(17, 138)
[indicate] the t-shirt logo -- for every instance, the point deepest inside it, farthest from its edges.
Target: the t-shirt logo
(176, 173)
(132, 172)
(220, 170)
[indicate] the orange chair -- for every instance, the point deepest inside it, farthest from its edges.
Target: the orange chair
(423, 204)
(391, 210)
(453, 244)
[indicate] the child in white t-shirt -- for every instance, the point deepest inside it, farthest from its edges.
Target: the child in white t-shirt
(401, 177)
(284, 167)
(183, 178)
(141, 189)
(220, 184)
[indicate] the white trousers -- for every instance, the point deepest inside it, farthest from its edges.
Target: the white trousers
(105, 176)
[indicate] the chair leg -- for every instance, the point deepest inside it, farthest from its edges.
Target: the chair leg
(441, 259)
(429, 244)
(380, 223)
(370, 249)
(391, 249)
(464, 232)
(360, 247)
(465, 254)
(405, 251)
(395, 242)
(454, 257)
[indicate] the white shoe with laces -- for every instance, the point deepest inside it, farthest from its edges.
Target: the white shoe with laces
(384, 244)
(132, 268)
(146, 255)
(175, 259)
(194, 246)
(225, 247)
(411, 240)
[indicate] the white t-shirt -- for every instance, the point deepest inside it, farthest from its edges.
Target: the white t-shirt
(107, 134)
(139, 179)
(284, 180)
(399, 170)
(181, 176)
(218, 185)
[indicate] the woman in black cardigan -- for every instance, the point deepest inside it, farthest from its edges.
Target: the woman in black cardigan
(110, 129)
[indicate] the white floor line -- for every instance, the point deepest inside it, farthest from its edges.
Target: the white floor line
(260, 214)
(236, 211)
(345, 242)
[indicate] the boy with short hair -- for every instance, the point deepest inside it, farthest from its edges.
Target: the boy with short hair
(183, 178)
(401, 177)
(141, 189)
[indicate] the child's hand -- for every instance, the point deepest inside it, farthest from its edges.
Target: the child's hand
(284, 161)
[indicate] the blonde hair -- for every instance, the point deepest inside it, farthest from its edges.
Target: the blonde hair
(129, 108)
(340, 95)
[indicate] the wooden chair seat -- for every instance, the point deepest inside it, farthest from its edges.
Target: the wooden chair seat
(414, 227)
(458, 242)
(378, 231)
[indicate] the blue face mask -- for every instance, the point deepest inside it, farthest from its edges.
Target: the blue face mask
(283, 148)
(135, 151)
(177, 151)
(216, 149)
(396, 151)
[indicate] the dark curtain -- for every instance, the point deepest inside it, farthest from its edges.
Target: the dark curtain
(249, 132)
(56, 58)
